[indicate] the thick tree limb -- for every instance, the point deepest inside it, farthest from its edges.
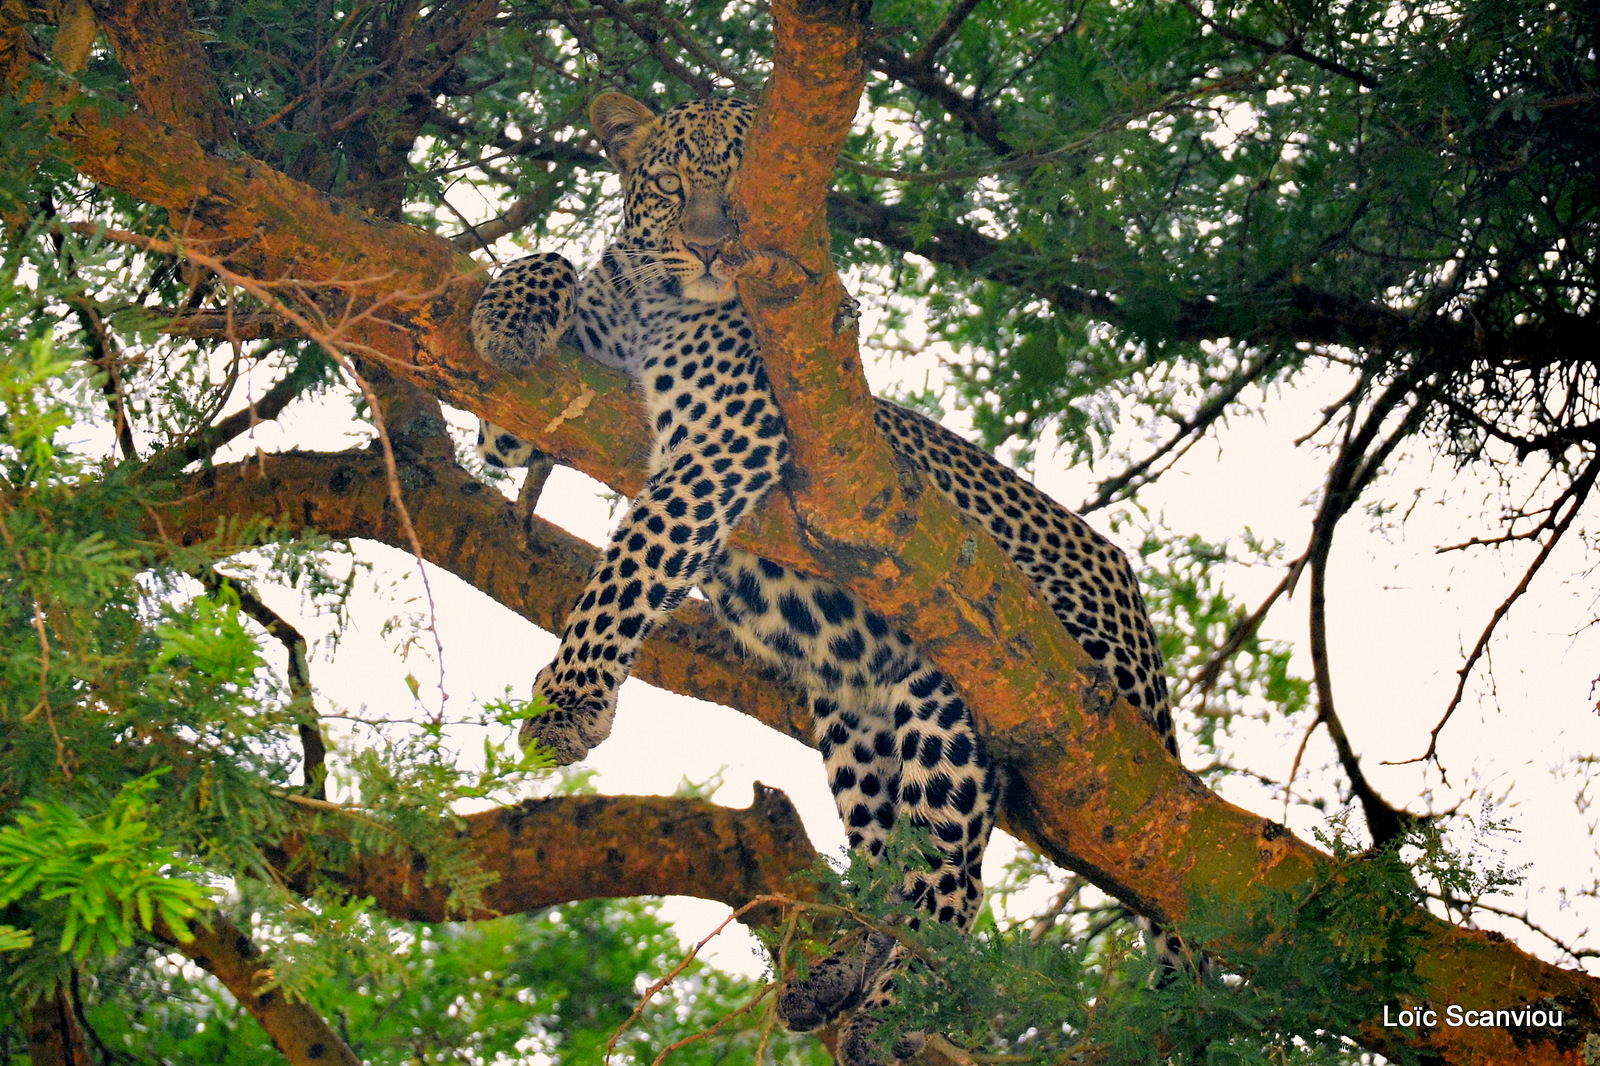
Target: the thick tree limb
(224, 951)
(529, 565)
(159, 47)
(1288, 314)
(569, 848)
(1101, 794)
(805, 114)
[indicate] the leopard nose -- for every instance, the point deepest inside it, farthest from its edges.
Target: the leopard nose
(705, 251)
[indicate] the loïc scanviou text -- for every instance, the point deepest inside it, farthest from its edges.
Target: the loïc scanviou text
(1456, 1016)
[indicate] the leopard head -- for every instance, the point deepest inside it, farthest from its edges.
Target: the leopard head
(678, 172)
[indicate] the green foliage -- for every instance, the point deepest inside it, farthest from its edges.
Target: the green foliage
(1224, 205)
(146, 770)
(1197, 619)
(1297, 971)
(105, 874)
(557, 983)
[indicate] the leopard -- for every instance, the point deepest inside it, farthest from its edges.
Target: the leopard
(898, 742)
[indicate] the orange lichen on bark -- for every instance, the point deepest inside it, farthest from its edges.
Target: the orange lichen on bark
(157, 43)
(790, 286)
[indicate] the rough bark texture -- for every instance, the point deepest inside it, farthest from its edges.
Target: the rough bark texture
(224, 951)
(794, 296)
(54, 1036)
(157, 44)
(1087, 763)
(587, 847)
(1101, 795)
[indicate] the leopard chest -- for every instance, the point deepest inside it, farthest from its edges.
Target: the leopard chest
(705, 385)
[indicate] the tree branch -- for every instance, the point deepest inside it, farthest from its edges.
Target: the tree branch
(917, 71)
(1557, 525)
(224, 951)
(314, 750)
(651, 39)
(961, 248)
(1193, 426)
(1353, 470)
(54, 1036)
(1292, 314)
(531, 566)
(159, 47)
(930, 48)
(1288, 48)
(550, 851)
(1102, 796)
(268, 407)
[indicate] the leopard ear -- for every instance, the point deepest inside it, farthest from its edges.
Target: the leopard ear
(621, 123)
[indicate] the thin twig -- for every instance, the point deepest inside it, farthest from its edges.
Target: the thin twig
(1034, 160)
(766, 990)
(923, 57)
(1289, 48)
(263, 291)
(1577, 493)
(667, 978)
(1466, 907)
(770, 1016)
(1294, 767)
(1197, 422)
(1241, 632)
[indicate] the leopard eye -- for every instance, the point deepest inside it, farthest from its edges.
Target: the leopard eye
(668, 183)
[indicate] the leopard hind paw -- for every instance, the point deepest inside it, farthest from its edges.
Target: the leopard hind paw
(834, 985)
(857, 1046)
(501, 449)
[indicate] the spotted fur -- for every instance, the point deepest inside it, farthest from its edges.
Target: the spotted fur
(897, 740)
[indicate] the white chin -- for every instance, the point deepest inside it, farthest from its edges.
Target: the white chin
(707, 289)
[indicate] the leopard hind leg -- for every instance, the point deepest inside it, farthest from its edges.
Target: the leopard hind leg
(918, 765)
(949, 789)
(860, 755)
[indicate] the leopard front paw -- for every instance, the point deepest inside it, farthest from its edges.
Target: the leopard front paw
(522, 314)
(579, 717)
